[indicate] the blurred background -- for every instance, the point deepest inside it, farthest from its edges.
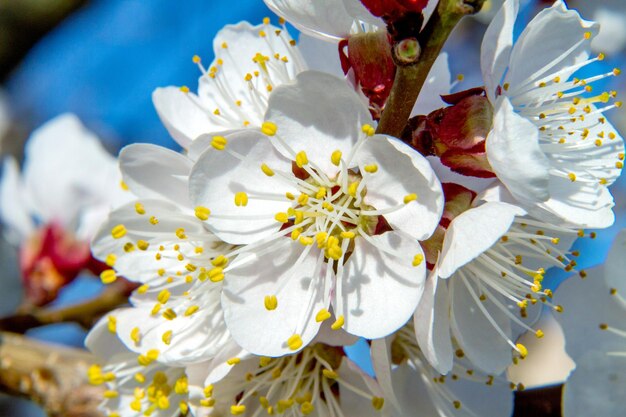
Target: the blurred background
(101, 59)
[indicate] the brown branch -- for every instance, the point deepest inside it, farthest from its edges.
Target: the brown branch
(410, 77)
(55, 377)
(85, 313)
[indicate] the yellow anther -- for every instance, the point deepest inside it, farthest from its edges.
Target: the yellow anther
(139, 377)
(248, 77)
(220, 261)
(156, 309)
(338, 324)
(267, 170)
(371, 168)
(110, 259)
(410, 197)
(330, 374)
(241, 199)
(539, 334)
(129, 247)
(163, 403)
(163, 296)
(153, 220)
(321, 193)
(110, 394)
(348, 235)
(196, 59)
(142, 245)
(521, 349)
(587, 35)
(352, 188)
(303, 199)
(456, 404)
(327, 206)
(266, 20)
(216, 274)
(269, 128)
(281, 217)
(180, 233)
(305, 240)
(368, 130)
(139, 208)
(271, 302)
(219, 142)
(418, 259)
(295, 234)
(301, 159)
(135, 335)
(237, 410)
(118, 231)
(306, 408)
(294, 342)
(378, 402)
(169, 314)
(183, 407)
(335, 157)
(108, 276)
(167, 337)
(112, 324)
(191, 310)
(233, 361)
(184, 89)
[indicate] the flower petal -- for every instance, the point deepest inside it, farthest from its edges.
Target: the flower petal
(555, 39)
(182, 118)
(317, 114)
(615, 264)
(320, 55)
(291, 273)
(401, 172)
(83, 171)
(473, 232)
(587, 303)
(474, 329)
(152, 171)
(380, 286)
(515, 156)
(18, 225)
(432, 325)
(496, 46)
(596, 387)
(324, 18)
(218, 176)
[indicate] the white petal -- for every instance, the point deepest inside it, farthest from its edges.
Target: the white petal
(437, 84)
(152, 171)
(548, 44)
(142, 265)
(101, 342)
(218, 176)
(514, 153)
(13, 206)
(380, 352)
(182, 118)
(288, 271)
(83, 172)
(587, 303)
(241, 102)
(496, 46)
(473, 232)
(381, 287)
(596, 387)
(320, 55)
(615, 264)
(476, 335)
(401, 171)
(317, 114)
(323, 18)
(432, 325)
(194, 338)
(575, 204)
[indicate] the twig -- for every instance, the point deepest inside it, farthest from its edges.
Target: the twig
(410, 77)
(53, 376)
(84, 314)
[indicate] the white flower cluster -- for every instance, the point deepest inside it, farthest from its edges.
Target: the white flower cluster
(289, 227)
